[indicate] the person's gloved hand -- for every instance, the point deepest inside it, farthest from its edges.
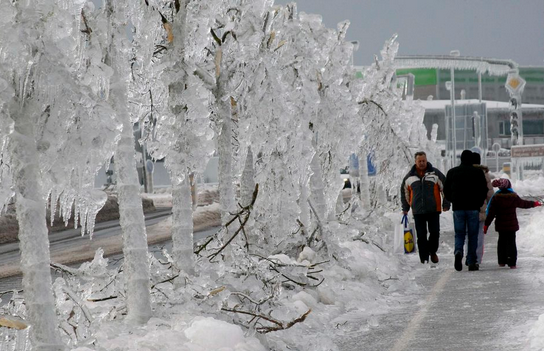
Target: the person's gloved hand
(485, 229)
(537, 203)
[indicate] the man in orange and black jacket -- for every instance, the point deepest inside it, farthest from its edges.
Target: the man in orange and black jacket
(422, 190)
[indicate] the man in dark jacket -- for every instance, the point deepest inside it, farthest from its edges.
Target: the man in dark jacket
(466, 189)
(421, 189)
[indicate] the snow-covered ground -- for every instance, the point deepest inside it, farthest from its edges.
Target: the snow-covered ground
(362, 283)
(531, 239)
(359, 292)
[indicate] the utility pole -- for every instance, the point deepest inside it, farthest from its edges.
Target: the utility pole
(515, 85)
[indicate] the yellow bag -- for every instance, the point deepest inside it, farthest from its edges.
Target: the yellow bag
(409, 242)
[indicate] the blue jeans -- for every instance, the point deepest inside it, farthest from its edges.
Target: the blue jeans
(466, 223)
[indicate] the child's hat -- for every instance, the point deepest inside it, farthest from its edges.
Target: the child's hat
(501, 183)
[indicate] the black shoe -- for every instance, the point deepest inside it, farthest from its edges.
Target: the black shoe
(458, 262)
(473, 267)
(424, 261)
(434, 258)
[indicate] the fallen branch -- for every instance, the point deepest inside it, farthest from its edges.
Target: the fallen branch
(301, 228)
(203, 246)
(10, 292)
(244, 211)
(69, 292)
(370, 242)
(103, 299)
(279, 324)
(165, 281)
(260, 302)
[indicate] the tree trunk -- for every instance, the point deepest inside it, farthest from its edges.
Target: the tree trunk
(33, 236)
(131, 213)
(304, 206)
(226, 186)
(136, 265)
(247, 183)
(182, 227)
(317, 197)
(364, 182)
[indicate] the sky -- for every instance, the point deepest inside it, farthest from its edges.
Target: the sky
(501, 29)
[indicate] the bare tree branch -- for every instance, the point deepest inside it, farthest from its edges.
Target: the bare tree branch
(279, 325)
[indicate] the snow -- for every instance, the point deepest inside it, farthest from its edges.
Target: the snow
(197, 334)
(360, 293)
(529, 238)
(287, 270)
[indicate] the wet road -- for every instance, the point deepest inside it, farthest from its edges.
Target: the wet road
(64, 240)
(490, 309)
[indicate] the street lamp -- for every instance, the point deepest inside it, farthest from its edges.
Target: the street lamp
(453, 53)
(450, 134)
(355, 48)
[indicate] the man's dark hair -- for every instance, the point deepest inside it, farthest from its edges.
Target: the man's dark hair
(420, 153)
(466, 157)
(476, 159)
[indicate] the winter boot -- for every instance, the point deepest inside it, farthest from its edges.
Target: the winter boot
(458, 262)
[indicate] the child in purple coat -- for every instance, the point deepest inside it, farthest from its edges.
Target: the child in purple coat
(502, 207)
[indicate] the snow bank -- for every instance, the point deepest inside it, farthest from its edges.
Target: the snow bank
(530, 235)
(181, 334)
(536, 335)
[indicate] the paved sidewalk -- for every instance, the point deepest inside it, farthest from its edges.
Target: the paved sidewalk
(487, 310)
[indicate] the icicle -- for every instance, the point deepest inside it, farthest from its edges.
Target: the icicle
(86, 205)
(88, 209)
(53, 200)
(66, 200)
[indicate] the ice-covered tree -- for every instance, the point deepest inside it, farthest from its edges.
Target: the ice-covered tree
(182, 132)
(56, 132)
(235, 36)
(337, 109)
(275, 122)
(393, 127)
(301, 94)
(116, 48)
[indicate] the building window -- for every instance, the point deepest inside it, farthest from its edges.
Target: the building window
(530, 127)
(533, 127)
(504, 128)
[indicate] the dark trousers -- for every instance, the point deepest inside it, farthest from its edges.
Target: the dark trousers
(507, 250)
(428, 245)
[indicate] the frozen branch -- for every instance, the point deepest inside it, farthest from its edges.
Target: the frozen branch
(244, 296)
(279, 325)
(165, 281)
(319, 225)
(246, 212)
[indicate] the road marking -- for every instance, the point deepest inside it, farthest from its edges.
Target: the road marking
(414, 324)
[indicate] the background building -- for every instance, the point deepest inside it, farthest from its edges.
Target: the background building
(431, 81)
